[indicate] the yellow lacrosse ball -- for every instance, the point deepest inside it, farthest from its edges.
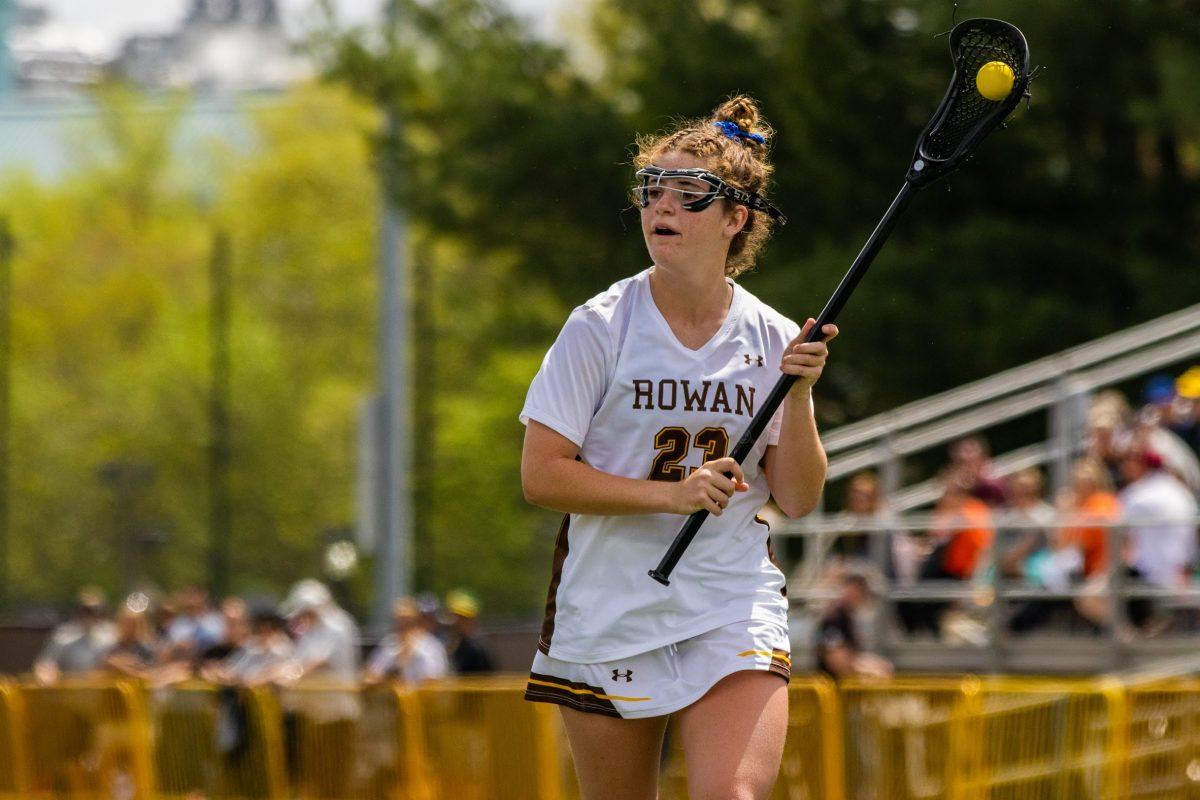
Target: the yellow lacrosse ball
(994, 80)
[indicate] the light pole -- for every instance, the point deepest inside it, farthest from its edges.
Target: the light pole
(394, 560)
(6, 251)
(219, 450)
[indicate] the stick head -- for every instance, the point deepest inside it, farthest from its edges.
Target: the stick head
(991, 75)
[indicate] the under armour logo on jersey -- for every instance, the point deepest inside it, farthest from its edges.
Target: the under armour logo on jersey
(747, 357)
(627, 675)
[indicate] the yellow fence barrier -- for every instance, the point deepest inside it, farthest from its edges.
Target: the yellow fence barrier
(912, 738)
(1164, 740)
(86, 741)
(13, 781)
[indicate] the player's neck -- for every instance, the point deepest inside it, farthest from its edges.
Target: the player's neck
(690, 297)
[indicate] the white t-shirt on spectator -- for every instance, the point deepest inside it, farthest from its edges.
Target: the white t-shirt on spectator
(1162, 551)
(425, 660)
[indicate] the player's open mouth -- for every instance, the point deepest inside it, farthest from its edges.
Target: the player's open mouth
(661, 231)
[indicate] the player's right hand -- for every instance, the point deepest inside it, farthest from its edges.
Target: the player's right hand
(707, 488)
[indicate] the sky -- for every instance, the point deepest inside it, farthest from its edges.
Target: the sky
(98, 26)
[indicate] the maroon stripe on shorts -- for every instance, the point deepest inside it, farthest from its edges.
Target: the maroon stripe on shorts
(585, 698)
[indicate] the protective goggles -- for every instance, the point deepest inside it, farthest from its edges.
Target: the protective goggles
(697, 189)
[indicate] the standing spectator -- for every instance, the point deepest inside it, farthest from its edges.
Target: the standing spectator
(839, 647)
(430, 609)
(132, 655)
(259, 657)
(320, 718)
(235, 624)
(467, 654)
(971, 458)
(80, 645)
(195, 627)
(1162, 550)
(410, 653)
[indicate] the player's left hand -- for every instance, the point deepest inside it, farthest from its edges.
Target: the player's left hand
(807, 361)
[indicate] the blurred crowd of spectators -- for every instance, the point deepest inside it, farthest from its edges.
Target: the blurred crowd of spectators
(236, 643)
(1135, 485)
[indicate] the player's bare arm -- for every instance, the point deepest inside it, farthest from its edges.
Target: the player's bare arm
(795, 468)
(553, 477)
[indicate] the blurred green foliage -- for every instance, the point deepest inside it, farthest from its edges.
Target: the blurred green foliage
(511, 159)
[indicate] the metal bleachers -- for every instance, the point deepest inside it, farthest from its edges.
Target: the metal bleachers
(1055, 392)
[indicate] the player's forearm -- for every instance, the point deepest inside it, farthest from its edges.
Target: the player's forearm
(573, 487)
(797, 473)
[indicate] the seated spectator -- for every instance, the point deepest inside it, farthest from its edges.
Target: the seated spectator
(467, 654)
(410, 653)
(962, 538)
(971, 457)
(1041, 555)
(864, 503)
(1162, 531)
(133, 654)
(1027, 545)
(1090, 499)
(838, 645)
(1110, 427)
(80, 645)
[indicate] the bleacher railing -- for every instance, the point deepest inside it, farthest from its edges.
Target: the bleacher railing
(950, 737)
(989, 597)
(1058, 383)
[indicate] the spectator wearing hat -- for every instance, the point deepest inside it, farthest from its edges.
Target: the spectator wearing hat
(80, 645)
(319, 718)
(1185, 412)
(467, 654)
(410, 653)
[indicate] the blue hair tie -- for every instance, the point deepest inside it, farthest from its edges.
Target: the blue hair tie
(734, 131)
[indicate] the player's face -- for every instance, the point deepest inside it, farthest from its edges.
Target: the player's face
(675, 236)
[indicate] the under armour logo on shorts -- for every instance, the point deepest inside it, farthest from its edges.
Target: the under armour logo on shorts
(627, 675)
(747, 356)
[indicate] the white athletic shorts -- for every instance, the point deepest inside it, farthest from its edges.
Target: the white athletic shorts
(665, 680)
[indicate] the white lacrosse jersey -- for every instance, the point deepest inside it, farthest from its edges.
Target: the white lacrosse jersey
(620, 385)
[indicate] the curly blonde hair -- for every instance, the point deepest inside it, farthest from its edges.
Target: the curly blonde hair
(740, 162)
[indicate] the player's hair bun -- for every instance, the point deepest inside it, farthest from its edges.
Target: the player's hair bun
(743, 112)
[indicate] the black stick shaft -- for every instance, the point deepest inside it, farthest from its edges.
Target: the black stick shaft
(758, 424)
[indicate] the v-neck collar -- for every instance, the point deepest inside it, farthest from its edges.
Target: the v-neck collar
(731, 318)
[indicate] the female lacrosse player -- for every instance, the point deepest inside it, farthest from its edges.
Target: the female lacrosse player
(628, 422)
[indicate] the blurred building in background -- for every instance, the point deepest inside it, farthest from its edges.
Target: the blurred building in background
(223, 53)
(220, 46)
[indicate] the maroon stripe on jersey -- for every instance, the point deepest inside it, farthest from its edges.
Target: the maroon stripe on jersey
(560, 556)
(771, 555)
(781, 663)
